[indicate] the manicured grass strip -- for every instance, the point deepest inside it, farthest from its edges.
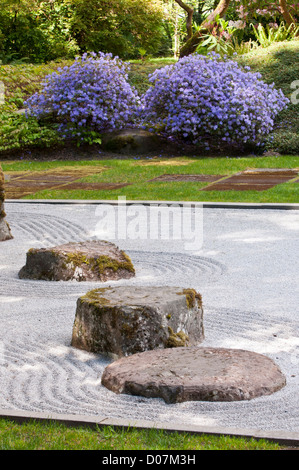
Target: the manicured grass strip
(56, 436)
(135, 168)
(140, 172)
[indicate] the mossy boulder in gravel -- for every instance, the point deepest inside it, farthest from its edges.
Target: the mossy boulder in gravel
(5, 233)
(81, 261)
(125, 320)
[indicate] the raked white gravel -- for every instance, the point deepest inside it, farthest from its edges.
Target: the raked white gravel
(246, 270)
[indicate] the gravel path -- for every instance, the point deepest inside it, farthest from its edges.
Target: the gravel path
(246, 271)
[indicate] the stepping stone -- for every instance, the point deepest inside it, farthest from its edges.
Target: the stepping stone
(194, 374)
(20, 184)
(125, 320)
(258, 179)
(83, 261)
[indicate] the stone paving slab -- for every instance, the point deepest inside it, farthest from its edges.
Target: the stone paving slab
(20, 184)
(259, 179)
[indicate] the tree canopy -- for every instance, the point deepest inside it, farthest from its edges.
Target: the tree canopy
(40, 31)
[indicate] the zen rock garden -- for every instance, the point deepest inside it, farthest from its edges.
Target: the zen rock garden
(153, 334)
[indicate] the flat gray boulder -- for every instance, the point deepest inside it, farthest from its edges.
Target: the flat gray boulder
(195, 374)
(82, 261)
(125, 320)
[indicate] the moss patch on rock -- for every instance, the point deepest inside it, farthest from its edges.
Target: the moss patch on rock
(105, 262)
(95, 297)
(193, 298)
(176, 340)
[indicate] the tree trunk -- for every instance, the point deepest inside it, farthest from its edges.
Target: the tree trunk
(190, 46)
(285, 13)
(5, 233)
(189, 19)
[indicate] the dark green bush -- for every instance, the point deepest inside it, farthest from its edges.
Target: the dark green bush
(279, 64)
(39, 32)
(34, 36)
(122, 27)
(283, 141)
(16, 132)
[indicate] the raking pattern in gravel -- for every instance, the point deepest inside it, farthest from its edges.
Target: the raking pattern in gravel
(39, 371)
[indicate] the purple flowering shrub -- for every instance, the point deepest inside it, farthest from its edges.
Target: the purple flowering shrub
(205, 99)
(88, 97)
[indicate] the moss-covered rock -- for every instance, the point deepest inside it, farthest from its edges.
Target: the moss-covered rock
(126, 320)
(82, 261)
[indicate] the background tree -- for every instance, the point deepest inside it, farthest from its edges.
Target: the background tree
(244, 9)
(191, 44)
(182, 17)
(35, 31)
(39, 31)
(189, 21)
(285, 11)
(122, 27)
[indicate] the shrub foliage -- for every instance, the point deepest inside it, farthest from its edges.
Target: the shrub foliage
(91, 95)
(207, 99)
(199, 99)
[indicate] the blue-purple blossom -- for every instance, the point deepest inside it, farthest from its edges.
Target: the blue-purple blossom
(207, 99)
(93, 94)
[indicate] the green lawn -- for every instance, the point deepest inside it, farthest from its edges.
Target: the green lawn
(139, 172)
(55, 436)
